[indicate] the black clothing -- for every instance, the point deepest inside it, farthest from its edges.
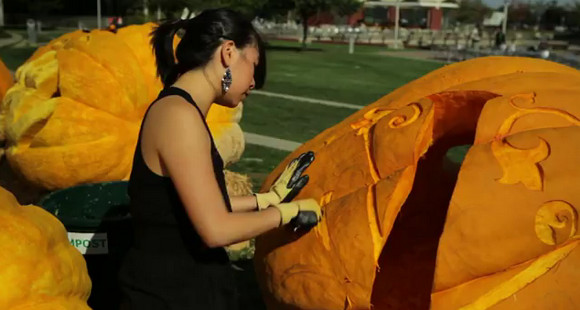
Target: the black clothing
(169, 266)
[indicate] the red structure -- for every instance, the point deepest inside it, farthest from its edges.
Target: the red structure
(435, 18)
(427, 14)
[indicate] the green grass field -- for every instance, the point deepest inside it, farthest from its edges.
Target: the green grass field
(14, 57)
(333, 74)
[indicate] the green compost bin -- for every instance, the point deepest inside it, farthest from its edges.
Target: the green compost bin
(96, 217)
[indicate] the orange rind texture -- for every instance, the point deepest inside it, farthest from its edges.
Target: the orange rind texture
(40, 268)
(512, 216)
(6, 81)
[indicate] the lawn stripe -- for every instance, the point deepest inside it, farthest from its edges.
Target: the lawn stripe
(271, 142)
(309, 100)
(15, 38)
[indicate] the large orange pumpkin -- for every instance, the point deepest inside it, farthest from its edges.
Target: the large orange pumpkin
(74, 113)
(40, 269)
(401, 232)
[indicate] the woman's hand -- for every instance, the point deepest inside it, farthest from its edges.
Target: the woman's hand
(288, 184)
(290, 210)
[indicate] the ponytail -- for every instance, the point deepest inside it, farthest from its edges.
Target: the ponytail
(162, 42)
(202, 36)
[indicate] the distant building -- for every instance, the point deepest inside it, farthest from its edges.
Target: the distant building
(427, 14)
(494, 20)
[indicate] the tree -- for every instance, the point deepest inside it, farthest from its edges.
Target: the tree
(471, 12)
(167, 6)
(276, 9)
(118, 7)
(173, 8)
(537, 9)
(346, 7)
(574, 14)
(553, 16)
(39, 8)
(520, 13)
(250, 8)
(306, 9)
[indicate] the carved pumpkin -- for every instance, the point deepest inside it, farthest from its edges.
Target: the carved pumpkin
(74, 114)
(400, 232)
(40, 269)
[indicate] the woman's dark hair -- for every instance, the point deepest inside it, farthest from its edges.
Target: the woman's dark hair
(203, 35)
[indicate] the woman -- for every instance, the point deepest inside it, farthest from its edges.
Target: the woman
(181, 211)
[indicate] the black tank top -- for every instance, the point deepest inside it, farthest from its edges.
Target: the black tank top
(159, 218)
(168, 265)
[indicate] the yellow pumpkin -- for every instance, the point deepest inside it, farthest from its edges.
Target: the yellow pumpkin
(74, 113)
(399, 232)
(40, 269)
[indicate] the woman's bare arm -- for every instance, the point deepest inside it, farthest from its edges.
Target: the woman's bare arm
(183, 145)
(244, 203)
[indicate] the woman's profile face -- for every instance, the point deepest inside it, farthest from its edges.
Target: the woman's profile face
(244, 62)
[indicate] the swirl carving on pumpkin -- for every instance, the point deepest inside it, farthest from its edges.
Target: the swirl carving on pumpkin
(363, 127)
(554, 215)
(373, 116)
(529, 99)
(401, 121)
(522, 165)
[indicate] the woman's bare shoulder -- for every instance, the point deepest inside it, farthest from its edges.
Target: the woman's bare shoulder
(174, 114)
(173, 126)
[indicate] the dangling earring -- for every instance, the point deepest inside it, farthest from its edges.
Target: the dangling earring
(227, 80)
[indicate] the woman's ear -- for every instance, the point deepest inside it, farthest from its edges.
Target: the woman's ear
(228, 49)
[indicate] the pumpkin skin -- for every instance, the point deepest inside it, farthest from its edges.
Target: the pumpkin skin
(74, 114)
(382, 164)
(6, 79)
(40, 269)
